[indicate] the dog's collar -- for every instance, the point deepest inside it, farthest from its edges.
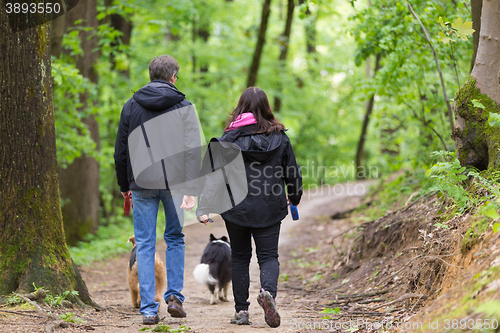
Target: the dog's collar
(220, 241)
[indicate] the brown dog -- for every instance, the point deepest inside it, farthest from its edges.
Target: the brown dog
(133, 279)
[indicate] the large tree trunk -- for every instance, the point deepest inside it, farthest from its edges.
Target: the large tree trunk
(284, 43)
(477, 142)
(261, 40)
(476, 7)
(33, 247)
(79, 182)
(364, 128)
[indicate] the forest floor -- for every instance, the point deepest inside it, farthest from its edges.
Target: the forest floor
(339, 273)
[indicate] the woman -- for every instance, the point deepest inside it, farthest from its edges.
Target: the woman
(269, 163)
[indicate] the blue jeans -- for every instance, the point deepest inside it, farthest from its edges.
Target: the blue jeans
(146, 203)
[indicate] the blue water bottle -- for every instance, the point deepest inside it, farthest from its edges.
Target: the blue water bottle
(294, 211)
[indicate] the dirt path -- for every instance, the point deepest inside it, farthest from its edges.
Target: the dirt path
(106, 280)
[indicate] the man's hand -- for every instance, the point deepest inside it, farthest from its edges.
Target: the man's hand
(126, 194)
(188, 202)
(203, 219)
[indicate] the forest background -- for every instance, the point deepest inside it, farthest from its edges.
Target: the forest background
(355, 83)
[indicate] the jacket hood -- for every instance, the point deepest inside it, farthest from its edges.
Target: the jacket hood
(256, 147)
(158, 95)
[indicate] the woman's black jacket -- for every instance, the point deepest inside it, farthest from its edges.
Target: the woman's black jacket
(270, 164)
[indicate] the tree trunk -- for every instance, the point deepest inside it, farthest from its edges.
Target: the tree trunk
(33, 248)
(124, 25)
(79, 182)
(284, 43)
(310, 31)
(200, 30)
(476, 6)
(261, 40)
(478, 143)
(364, 128)
(57, 30)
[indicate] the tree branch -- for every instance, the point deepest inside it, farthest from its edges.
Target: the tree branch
(450, 111)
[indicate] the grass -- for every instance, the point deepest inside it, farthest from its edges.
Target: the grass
(111, 240)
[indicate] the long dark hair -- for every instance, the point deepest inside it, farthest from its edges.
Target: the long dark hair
(255, 100)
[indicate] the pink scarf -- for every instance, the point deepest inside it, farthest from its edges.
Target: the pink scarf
(243, 119)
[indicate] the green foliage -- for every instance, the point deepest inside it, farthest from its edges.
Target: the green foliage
(58, 300)
(164, 328)
(440, 225)
(323, 92)
(451, 179)
(448, 179)
(70, 318)
(494, 119)
(411, 110)
(458, 28)
(329, 311)
(13, 299)
(108, 241)
(477, 104)
(71, 107)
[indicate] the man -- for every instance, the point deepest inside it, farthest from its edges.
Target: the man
(157, 158)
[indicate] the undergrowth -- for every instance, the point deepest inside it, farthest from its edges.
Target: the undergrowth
(111, 238)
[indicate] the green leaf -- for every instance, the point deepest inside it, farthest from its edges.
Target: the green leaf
(478, 104)
(440, 21)
(494, 119)
(443, 38)
(462, 28)
(492, 213)
(330, 310)
(496, 227)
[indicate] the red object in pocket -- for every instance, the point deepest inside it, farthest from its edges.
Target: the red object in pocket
(128, 205)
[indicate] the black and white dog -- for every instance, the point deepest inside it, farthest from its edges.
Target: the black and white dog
(215, 268)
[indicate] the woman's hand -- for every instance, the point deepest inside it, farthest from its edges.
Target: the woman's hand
(203, 219)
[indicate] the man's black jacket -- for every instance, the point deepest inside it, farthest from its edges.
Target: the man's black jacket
(158, 141)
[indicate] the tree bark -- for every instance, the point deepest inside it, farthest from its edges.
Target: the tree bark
(284, 43)
(261, 40)
(476, 6)
(124, 25)
(79, 182)
(200, 30)
(310, 31)
(33, 247)
(478, 143)
(366, 121)
(57, 30)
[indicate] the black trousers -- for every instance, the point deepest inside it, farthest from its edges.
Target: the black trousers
(266, 242)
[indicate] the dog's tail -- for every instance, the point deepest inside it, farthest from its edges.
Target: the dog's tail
(202, 275)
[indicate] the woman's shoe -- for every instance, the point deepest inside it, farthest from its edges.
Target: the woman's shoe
(241, 318)
(266, 301)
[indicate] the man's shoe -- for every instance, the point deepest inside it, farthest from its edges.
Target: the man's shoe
(240, 318)
(266, 301)
(150, 320)
(175, 307)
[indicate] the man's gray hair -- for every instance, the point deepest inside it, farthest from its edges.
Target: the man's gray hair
(162, 68)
